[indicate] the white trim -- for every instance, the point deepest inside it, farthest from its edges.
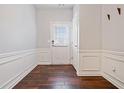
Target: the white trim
(14, 80)
(51, 37)
(11, 59)
(116, 60)
(113, 80)
(44, 56)
(90, 51)
(43, 62)
(43, 50)
(8, 54)
(113, 52)
(89, 71)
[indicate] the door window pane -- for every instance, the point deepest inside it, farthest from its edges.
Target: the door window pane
(61, 35)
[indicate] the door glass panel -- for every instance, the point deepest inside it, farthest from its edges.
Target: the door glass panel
(61, 35)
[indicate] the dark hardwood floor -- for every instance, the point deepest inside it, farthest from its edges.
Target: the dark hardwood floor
(61, 77)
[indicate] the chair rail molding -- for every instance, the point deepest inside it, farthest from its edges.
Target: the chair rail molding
(14, 66)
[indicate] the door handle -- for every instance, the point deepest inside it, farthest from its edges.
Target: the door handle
(75, 45)
(52, 41)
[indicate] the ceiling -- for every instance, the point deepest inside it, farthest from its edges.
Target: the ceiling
(54, 6)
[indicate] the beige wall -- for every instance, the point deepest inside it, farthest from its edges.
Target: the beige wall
(90, 27)
(113, 30)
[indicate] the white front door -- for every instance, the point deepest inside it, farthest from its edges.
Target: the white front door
(60, 43)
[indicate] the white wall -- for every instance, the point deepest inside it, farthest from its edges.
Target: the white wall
(113, 29)
(17, 43)
(44, 17)
(89, 40)
(75, 38)
(90, 27)
(113, 45)
(17, 28)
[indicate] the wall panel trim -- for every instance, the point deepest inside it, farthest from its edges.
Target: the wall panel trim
(88, 67)
(112, 67)
(12, 62)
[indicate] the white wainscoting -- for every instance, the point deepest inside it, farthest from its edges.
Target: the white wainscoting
(89, 63)
(15, 66)
(44, 55)
(113, 67)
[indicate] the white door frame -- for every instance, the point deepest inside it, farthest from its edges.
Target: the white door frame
(51, 33)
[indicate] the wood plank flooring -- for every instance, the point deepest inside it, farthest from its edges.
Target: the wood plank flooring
(61, 77)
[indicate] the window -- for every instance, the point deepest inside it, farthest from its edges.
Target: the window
(61, 35)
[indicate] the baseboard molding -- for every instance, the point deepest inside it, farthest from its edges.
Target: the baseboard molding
(89, 73)
(76, 68)
(113, 80)
(115, 57)
(16, 65)
(118, 58)
(113, 67)
(44, 63)
(15, 80)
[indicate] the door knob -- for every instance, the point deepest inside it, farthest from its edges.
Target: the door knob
(52, 41)
(75, 45)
